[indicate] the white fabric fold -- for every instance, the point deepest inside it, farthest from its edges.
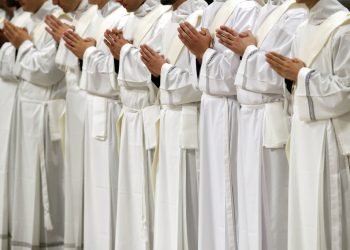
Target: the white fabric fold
(99, 124)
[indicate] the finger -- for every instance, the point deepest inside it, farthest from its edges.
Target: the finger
(146, 53)
(224, 34)
(48, 30)
(150, 50)
(274, 58)
(71, 48)
(145, 60)
(191, 28)
(229, 30)
(109, 45)
(73, 36)
(281, 57)
(69, 41)
(186, 31)
(51, 22)
(225, 40)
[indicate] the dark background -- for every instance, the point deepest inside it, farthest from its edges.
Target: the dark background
(346, 3)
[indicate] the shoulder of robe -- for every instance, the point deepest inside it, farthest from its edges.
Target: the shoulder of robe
(60, 14)
(342, 33)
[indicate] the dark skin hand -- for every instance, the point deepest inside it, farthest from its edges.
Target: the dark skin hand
(115, 41)
(236, 42)
(15, 35)
(56, 28)
(77, 44)
(196, 41)
(153, 60)
(286, 67)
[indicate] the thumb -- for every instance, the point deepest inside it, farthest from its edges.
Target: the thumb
(205, 31)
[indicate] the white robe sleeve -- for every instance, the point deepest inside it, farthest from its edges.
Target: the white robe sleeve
(218, 71)
(7, 61)
(254, 73)
(325, 95)
(36, 63)
(176, 85)
(132, 71)
(98, 72)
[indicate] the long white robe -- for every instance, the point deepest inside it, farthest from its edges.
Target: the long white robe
(319, 196)
(74, 131)
(101, 157)
(218, 134)
(262, 164)
(138, 134)
(8, 100)
(38, 192)
(176, 194)
(2, 18)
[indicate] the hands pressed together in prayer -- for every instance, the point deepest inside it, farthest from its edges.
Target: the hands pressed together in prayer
(77, 44)
(236, 42)
(15, 35)
(115, 40)
(56, 28)
(286, 67)
(196, 41)
(153, 60)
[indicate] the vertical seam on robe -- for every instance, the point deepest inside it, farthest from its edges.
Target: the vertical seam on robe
(244, 84)
(309, 98)
(166, 79)
(4, 237)
(207, 69)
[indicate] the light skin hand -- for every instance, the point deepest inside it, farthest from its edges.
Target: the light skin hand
(77, 44)
(15, 35)
(236, 42)
(196, 41)
(152, 60)
(286, 67)
(114, 39)
(56, 28)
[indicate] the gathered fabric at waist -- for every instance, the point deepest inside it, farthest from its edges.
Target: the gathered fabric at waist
(245, 97)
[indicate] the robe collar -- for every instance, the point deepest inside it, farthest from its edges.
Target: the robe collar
(109, 7)
(83, 6)
(146, 7)
(324, 9)
(187, 8)
(44, 10)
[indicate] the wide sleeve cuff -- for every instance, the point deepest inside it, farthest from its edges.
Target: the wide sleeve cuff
(24, 47)
(303, 88)
(164, 74)
(207, 57)
(88, 52)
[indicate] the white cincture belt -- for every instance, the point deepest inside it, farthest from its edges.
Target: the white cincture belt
(188, 124)
(150, 116)
(56, 109)
(276, 124)
(100, 116)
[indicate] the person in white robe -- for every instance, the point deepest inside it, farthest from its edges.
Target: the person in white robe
(319, 178)
(263, 125)
(8, 100)
(137, 122)
(219, 120)
(103, 106)
(82, 14)
(176, 186)
(38, 190)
